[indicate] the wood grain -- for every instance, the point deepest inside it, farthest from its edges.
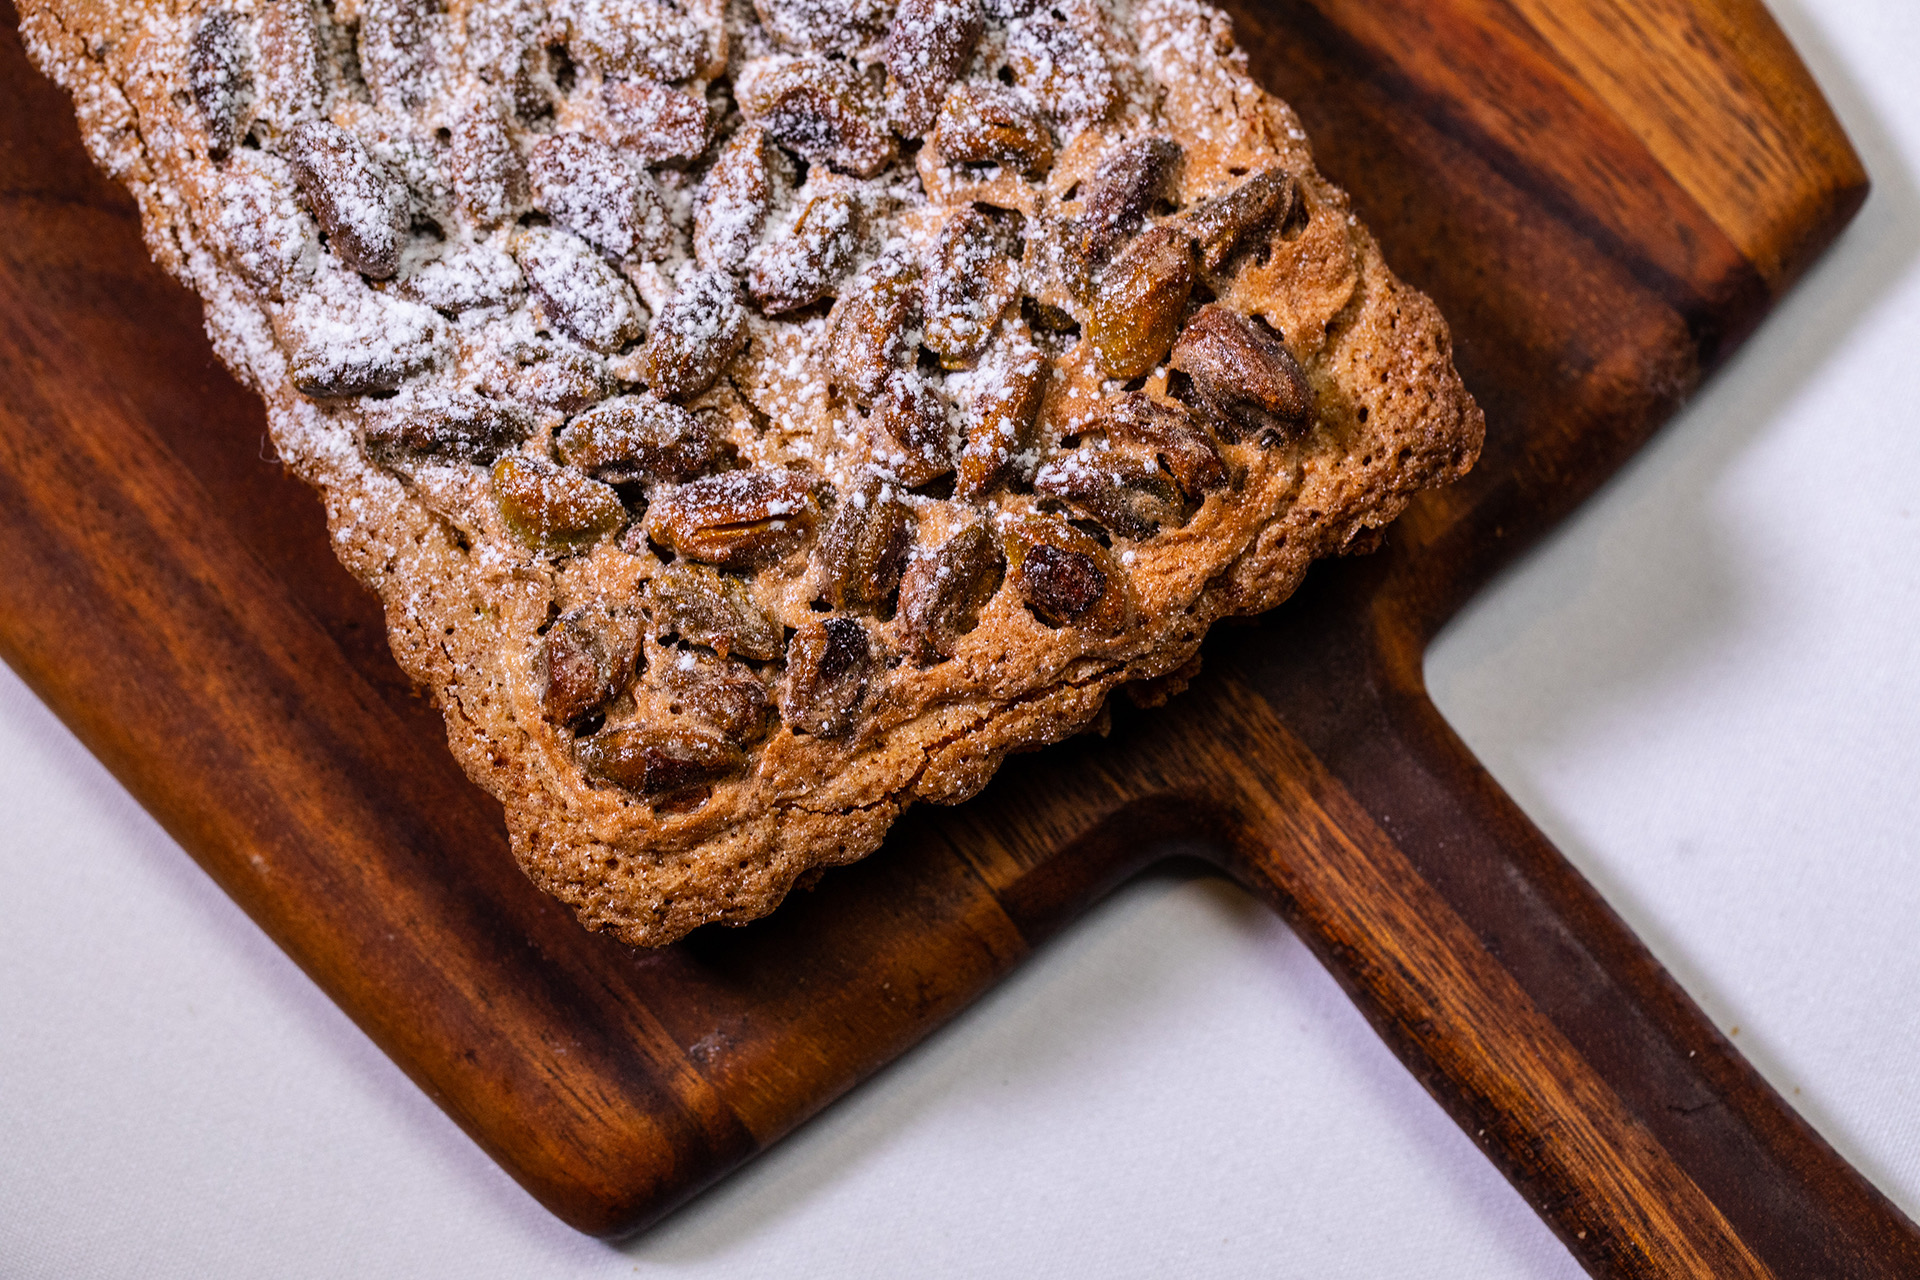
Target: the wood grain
(1603, 195)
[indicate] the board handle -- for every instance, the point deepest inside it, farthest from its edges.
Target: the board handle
(1509, 987)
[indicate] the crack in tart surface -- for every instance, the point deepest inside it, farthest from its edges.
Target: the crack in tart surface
(758, 418)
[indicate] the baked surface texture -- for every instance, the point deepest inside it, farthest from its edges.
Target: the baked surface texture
(758, 418)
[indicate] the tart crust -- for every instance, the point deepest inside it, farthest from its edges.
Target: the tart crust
(474, 602)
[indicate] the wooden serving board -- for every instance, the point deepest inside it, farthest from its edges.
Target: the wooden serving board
(1604, 196)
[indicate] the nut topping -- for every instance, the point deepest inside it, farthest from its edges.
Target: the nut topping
(928, 45)
(738, 519)
(944, 589)
(821, 109)
(581, 294)
(456, 428)
(1136, 314)
(489, 177)
(554, 508)
(971, 277)
(703, 606)
(1124, 190)
(1064, 576)
(547, 376)
(1122, 486)
(637, 438)
(733, 203)
(1243, 376)
(265, 235)
(396, 53)
(587, 188)
(355, 201)
(990, 124)
(1000, 421)
(701, 327)
(804, 265)
(466, 279)
(217, 79)
(869, 327)
(823, 26)
(584, 669)
(645, 38)
(1180, 443)
(914, 434)
(829, 666)
(659, 760)
(1224, 224)
(287, 92)
(727, 695)
(860, 556)
(655, 122)
(343, 339)
(1063, 67)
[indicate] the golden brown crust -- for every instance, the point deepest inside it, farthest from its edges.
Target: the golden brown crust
(470, 603)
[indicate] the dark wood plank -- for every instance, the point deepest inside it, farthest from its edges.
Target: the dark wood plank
(1604, 195)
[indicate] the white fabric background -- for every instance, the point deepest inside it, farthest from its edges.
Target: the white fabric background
(1704, 689)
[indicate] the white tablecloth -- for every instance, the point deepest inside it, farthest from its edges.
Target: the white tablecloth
(1704, 689)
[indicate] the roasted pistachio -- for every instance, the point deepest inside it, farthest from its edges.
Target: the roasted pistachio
(830, 664)
(970, 279)
(1065, 577)
(945, 588)
(914, 433)
(805, 264)
(701, 327)
(655, 122)
(344, 339)
(703, 606)
(1121, 486)
(396, 52)
(580, 293)
(546, 375)
(991, 124)
(1171, 433)
(355, 201)
(821, 109)
(928, 44)
(489, 177)
(734, 201)
(1123, 190)
(262, 230)
(287, 83)
(217, 79)
(1225, 224)
(659, 760)
(450, 428)
(554, 508)
(638, 437)
(860, 556)
(1136, 314)
(585, 666)
(738, 519)
(869, 327)
(652, 39)
(1242, 375)
(1064, 67)
(727, 695)
(1001, 419)
(466, 279)
(823, 26)
(587, 187)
